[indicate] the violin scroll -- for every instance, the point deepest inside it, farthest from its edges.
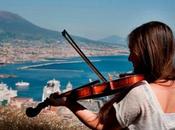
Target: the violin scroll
(32, 112)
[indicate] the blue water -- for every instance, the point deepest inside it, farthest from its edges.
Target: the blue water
(74, 70)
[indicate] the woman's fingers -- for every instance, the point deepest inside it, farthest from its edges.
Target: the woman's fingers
(56, 100)
(54, 95)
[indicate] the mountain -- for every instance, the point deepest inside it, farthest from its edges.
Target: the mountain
(114, 39)
(14, 27)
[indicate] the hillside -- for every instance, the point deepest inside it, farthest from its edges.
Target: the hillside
(13, 26)
(115, 40)
(21, 40)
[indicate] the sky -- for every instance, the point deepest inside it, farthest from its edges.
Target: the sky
(94, 19)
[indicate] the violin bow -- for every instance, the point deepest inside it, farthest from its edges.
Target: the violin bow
(32, 112)
(83, 56)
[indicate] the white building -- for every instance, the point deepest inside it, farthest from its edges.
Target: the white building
(68, 87)
(21, 103)
(6, 94)
(51, 87)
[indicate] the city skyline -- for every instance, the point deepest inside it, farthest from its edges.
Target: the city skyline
(94, 19)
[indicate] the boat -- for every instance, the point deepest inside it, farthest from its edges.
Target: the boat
(22, 84)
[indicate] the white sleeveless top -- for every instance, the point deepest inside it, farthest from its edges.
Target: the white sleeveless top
(140, 110)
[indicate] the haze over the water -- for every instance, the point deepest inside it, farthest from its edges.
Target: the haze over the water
(94, 19)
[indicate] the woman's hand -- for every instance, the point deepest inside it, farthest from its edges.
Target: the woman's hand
(56, 100)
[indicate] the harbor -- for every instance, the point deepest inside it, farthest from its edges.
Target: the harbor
(14, 110)
(45, 77)
(9, 97)
(72, 70)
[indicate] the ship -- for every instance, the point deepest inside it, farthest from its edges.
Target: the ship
(51, 87)
(22, 84)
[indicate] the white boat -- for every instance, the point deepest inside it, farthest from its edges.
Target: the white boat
(22, 84)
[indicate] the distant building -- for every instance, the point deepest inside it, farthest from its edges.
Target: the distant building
(68, 87)
(22, 103)
(6, 94)
(51, 87)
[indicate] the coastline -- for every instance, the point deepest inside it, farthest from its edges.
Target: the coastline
(7, 76)
(20, 52)
(60, 119)
(64, 70)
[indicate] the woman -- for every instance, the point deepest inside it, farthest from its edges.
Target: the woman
(150, 105)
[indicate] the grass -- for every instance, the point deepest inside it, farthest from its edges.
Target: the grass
(15, 119)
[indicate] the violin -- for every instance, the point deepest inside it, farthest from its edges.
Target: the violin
(91, 90)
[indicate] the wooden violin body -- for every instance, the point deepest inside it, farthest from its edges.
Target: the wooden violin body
(105, 88)
(91, 90)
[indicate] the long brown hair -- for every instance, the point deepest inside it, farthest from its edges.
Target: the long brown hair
(153, 44)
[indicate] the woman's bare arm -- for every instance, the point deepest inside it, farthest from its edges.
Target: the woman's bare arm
(86, 116)
(92, 120)
(89, 118)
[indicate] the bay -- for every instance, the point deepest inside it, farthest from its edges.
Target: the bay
(73, 70)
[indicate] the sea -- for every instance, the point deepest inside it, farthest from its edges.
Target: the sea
(73, 70)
